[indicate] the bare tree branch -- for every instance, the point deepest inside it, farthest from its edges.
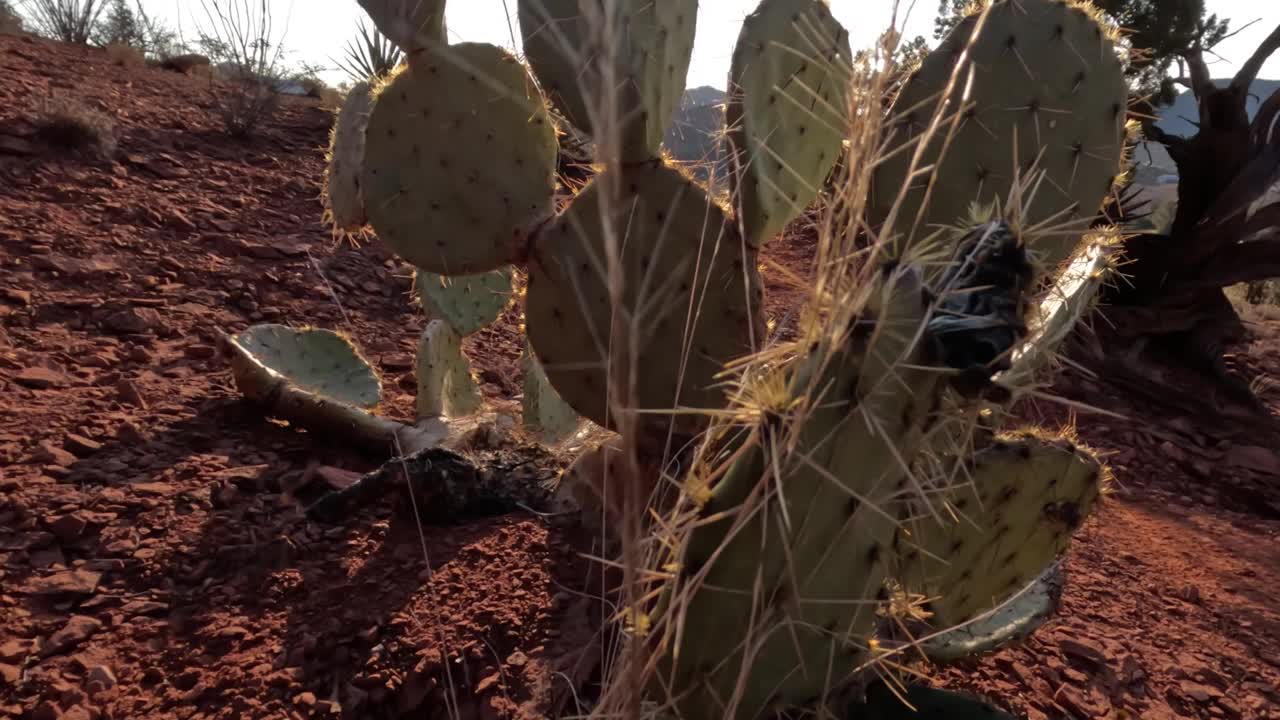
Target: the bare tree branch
(1249, 70)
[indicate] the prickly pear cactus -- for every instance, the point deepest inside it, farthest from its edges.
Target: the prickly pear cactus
(811, 586)
(455, 306)
(788, 102)
(467, 302)
(544, 410)
(460, 160)
(445, 385)
(344, 201)
(1047, 91)
(458, 179)
(1008, 519)
(318, 361)
(789, 548)
(1015, 619)
(690, 285)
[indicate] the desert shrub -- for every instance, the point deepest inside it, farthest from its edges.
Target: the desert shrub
(70, 124)
(240, 44)
(369, 56)
(132, 26)
(125, 55)
(10, 21)
(187, 64)
(119, 27)
(71, 21)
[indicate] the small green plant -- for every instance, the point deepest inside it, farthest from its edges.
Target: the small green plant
(371, 56)
(68, 123)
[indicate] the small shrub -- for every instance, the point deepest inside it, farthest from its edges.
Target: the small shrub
(71, 21)
(69, 124)
(370, 56)
(132, 26)
(187, 64)
(119, 27)
(125, 55)
(239, 42)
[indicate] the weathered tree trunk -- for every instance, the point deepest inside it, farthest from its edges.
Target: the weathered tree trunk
(1226, 229)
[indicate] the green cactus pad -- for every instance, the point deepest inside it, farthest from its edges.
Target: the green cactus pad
(318, 361)
(1047, 87)
(1027, 497)
(1069, 299)
(787, 110)
(543, 409)
(918, 702)
(1015, 620)
(678, 248)
(819, 561)
(460, 160)
(466, 302)
(413, 25)
(343, 199)
(445, 385)
(655, 41)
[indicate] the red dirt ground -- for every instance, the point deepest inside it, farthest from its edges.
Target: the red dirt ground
(154, 563)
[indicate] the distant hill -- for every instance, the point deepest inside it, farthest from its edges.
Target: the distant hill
(698, 122)
(1179, 119)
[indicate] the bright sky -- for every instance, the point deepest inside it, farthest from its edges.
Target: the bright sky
(317, 30)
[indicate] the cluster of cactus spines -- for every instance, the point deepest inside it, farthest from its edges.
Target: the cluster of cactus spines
(641, 49)
(544, 411)
(792, 580)
(1050, 94)
(460, 159)
(787, 110)
(1010, 515)
(344, 201)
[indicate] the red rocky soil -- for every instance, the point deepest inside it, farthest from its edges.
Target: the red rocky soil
(154, 561)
